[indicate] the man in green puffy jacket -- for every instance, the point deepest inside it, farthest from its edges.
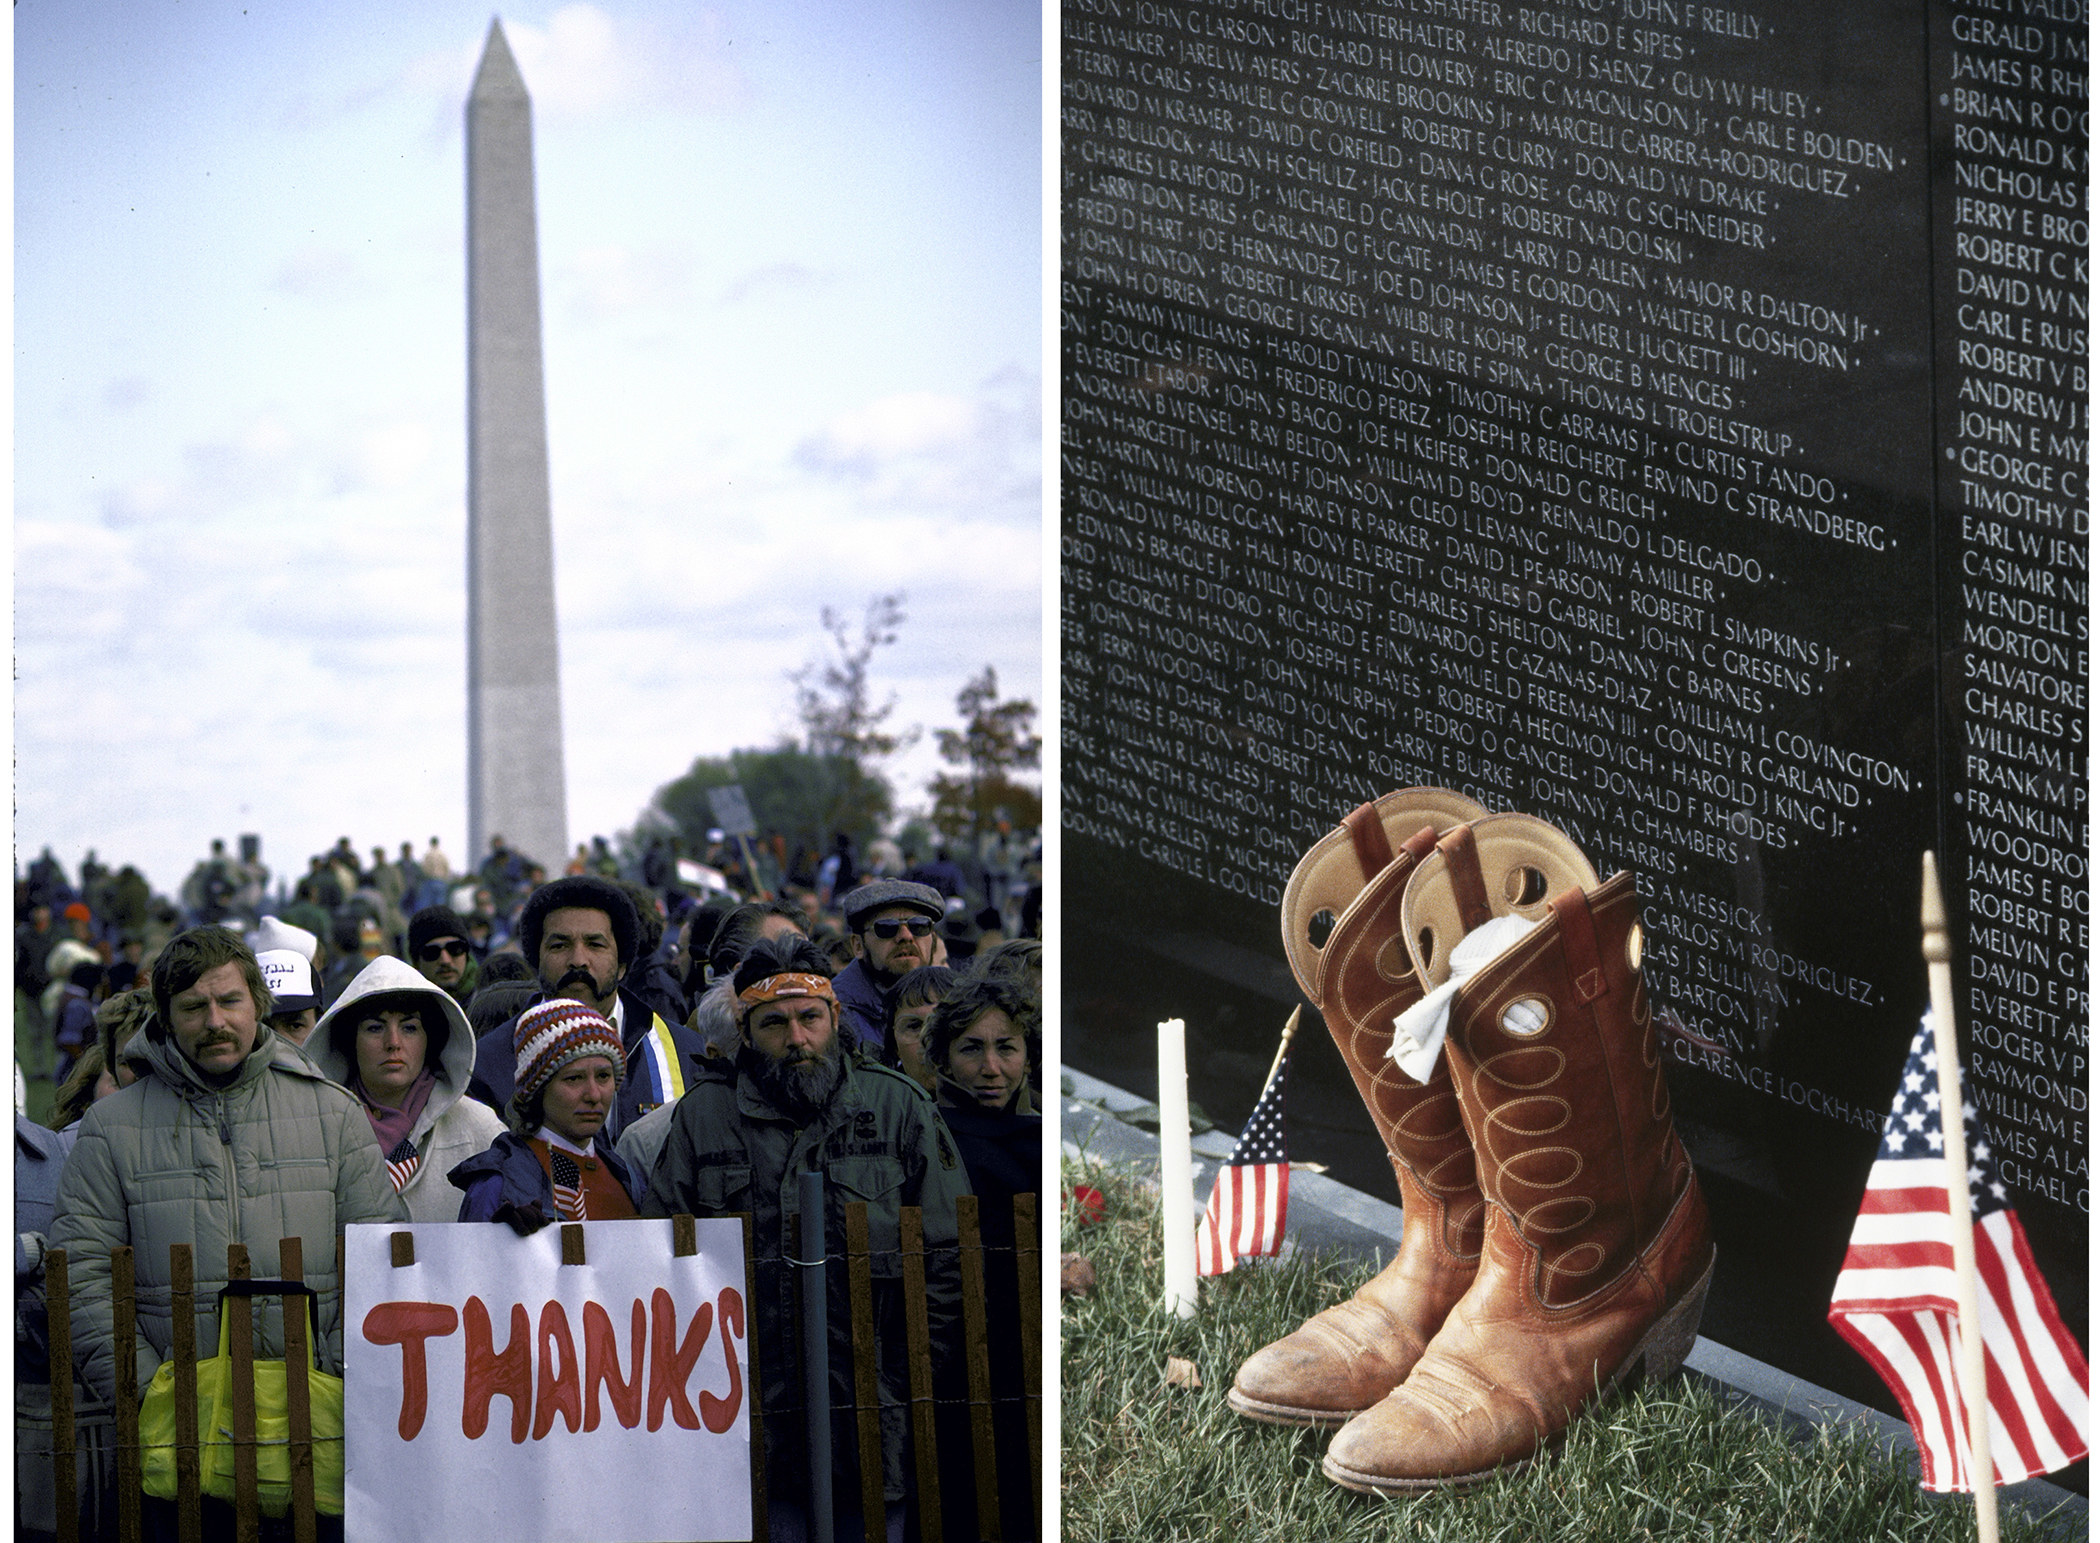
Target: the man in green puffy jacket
(794, 1099)
(230, 1136)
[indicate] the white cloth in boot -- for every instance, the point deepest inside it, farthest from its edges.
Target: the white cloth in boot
(1418, 1033)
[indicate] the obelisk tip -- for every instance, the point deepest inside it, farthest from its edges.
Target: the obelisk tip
(497, 75)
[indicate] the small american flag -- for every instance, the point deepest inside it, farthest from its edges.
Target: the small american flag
(401, 1163)
(1895, 1301)
(1253, 1189)
(568, 1184)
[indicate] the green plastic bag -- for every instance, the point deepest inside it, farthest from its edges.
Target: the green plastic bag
(273, 1452)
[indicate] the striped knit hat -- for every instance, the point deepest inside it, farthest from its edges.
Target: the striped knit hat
(552, 1034)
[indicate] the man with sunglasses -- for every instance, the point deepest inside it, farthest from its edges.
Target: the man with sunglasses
(894, 926)
(438, 948)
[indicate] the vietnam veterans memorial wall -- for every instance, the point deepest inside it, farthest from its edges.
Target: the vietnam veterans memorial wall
(1668, 419)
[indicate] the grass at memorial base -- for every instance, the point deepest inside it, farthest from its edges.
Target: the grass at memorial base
(1146, 1461)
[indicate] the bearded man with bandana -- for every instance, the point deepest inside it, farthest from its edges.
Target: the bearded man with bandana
(791, 1100)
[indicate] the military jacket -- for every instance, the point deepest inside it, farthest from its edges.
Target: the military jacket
(879, 1140)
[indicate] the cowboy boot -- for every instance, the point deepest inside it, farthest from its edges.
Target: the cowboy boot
(1597, 1253)
(1348, 1357)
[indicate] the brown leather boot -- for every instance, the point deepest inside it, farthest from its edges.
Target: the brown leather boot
(1597, 1253)
(1347, 1358)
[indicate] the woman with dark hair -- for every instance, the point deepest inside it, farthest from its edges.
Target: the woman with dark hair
(904, 1037)
(985, 1041)
(550, 1165)
(403, 1046)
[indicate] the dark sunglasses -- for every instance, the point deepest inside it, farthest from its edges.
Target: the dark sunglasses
(917, 926)
(451, 946)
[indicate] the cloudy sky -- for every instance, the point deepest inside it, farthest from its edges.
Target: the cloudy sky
(791, 296)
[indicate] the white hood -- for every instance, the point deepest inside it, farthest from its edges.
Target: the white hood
(387, 975)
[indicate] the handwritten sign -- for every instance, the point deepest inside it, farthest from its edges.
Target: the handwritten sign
(492, 1392)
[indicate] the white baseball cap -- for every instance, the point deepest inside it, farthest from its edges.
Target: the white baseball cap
(290, 979)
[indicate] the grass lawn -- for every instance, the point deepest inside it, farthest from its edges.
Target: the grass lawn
(1146, 1461)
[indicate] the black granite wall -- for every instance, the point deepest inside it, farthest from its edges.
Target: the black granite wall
(1666, 419)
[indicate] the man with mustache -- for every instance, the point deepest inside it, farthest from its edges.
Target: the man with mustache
(228, 1136)
(794, 1099)
(580, 933)
(894, 924)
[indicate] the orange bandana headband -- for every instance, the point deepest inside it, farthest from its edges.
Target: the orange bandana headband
(774, 987)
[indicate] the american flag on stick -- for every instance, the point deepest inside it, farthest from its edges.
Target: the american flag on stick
(1896, 1301)
(1247, 1203)
(401, 1163)
(568, 1184)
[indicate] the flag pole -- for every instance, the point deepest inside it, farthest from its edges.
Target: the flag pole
(1939, 970)
(1290, 1028)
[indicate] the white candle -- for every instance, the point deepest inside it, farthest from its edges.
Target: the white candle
(1177, 1192)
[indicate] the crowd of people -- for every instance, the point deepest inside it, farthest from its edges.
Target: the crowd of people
(400, 1042)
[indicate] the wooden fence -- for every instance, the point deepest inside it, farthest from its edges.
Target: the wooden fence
(929, 1459)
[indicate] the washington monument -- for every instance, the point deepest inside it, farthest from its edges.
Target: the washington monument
(516, 787)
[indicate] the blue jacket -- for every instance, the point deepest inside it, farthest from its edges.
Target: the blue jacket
(865, 1004)
(39, 1155)
(507, 1184)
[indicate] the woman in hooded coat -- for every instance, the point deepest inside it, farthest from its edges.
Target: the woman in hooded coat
(403, 1046)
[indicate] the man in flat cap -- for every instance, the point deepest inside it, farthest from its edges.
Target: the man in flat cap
(894, 925)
